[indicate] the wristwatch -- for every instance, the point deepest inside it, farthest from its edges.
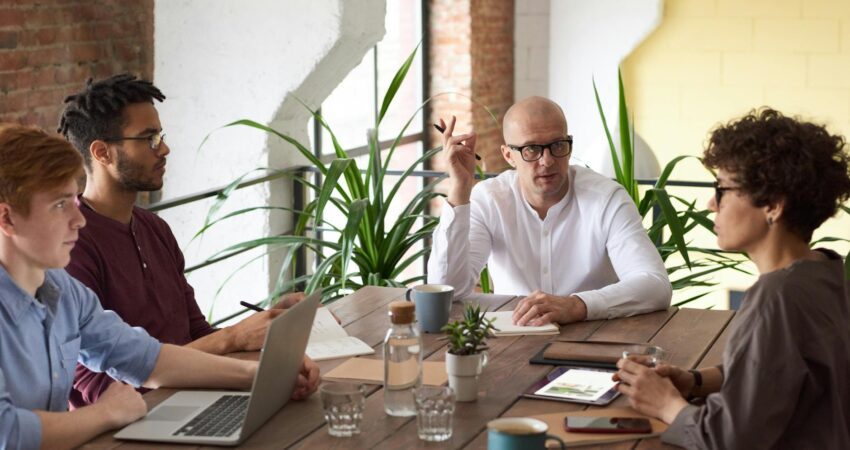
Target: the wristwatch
(697, 383)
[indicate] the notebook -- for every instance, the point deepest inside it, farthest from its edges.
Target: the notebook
(504, 322)
(602, 354)
(328, 340)
(229, 417)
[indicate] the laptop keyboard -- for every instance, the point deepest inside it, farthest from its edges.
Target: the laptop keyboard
(221, 418)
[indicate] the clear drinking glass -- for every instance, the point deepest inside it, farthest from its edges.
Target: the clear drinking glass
(435, 406)
(651, 355)
(343, 404)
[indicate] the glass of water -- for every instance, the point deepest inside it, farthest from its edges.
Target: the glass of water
(651, 355)
(343, 404)
(435, 406)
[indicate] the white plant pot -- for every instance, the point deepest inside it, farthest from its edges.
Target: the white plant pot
(463, 371)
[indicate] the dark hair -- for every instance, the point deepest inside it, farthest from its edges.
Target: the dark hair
(96, 111)
(774, 157)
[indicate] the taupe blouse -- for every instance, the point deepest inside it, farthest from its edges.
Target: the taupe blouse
(786, 367)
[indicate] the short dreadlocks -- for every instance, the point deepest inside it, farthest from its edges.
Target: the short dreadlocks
(96, 112)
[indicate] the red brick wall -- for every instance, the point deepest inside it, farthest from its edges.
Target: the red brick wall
(49, 48)
(472, 54)
(492, 74)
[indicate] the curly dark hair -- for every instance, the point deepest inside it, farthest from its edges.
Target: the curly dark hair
(96, 111)
(774, 157)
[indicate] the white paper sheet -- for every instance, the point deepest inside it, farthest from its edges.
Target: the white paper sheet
(328, 340)
(503, 321)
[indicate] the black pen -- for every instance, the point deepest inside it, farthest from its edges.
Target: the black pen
(441, 130)
(251, 306)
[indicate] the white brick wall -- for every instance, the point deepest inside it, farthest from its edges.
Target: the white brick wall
(531, 48)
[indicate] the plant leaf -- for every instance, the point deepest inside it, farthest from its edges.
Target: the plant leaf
(222, 196)
(484, 280)
(304, 150)
(626, 148)
(337, 169)
(618, 172)
(688, 300)
(396, 83)
(677, 231)
(349, 234)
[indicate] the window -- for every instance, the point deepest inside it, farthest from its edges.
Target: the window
(352, 108)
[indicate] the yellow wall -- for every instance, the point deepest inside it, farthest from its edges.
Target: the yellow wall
(712, 60)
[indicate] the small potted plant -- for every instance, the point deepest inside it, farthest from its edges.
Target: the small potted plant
(466, 356)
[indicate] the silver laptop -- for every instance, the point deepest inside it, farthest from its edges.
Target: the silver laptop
(229, 417)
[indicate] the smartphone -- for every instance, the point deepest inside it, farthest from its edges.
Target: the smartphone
(577, 424)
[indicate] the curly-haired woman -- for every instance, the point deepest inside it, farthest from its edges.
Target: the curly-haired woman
(785, 378)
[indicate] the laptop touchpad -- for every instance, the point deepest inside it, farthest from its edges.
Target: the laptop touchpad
(171, 413)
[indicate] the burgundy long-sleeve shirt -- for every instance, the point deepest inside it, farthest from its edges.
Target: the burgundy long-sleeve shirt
(136, 270)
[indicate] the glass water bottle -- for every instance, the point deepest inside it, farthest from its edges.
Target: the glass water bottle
(402, 360)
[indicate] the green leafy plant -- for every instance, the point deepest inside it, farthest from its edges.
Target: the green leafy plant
(378, 247)
(676, 222)
(468, 335)
(371, 248)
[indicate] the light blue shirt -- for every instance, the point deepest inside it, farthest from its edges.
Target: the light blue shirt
(41, 342)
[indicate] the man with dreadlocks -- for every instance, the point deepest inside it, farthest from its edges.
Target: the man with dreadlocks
(127, 255)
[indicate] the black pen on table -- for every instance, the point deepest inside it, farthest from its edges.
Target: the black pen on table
(441, 130)
(251, 306)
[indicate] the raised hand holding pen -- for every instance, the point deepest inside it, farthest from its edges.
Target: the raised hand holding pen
(460, 162)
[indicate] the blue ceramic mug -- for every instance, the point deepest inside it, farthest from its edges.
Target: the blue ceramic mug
(518, 433)
(433, 305)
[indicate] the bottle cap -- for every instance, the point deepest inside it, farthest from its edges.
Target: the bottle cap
(402, 312)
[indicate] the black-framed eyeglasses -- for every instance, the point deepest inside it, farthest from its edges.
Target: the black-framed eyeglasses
(719, 191)
(154, 140)
(532, 152)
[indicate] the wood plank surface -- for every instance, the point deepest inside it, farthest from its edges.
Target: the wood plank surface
(693, 337)
(714, 356)
(382, 426)
(638, 329)
(690, 333)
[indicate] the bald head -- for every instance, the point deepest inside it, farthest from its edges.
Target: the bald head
(530, 115)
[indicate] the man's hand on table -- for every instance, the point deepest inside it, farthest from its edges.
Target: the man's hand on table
(540, 308)
(648, 392)
(308, 380)
(121, 404)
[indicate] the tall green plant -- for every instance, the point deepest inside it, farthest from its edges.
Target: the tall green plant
(670, 225)
(372, 248)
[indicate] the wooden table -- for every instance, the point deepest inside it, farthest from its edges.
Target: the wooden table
(694, 337)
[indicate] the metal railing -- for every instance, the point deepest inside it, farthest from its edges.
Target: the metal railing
(300, 198)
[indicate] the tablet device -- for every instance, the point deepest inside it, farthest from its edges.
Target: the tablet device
(577, 385)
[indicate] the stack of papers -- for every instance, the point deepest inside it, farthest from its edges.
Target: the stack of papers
(328, 340)
(502, 320)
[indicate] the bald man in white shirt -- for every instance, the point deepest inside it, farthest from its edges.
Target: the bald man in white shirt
(567, 238)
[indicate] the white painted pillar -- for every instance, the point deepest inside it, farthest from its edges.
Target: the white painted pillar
(589, 39)
(218, 61)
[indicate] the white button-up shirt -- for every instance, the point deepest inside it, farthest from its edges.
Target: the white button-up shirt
(591, 244)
